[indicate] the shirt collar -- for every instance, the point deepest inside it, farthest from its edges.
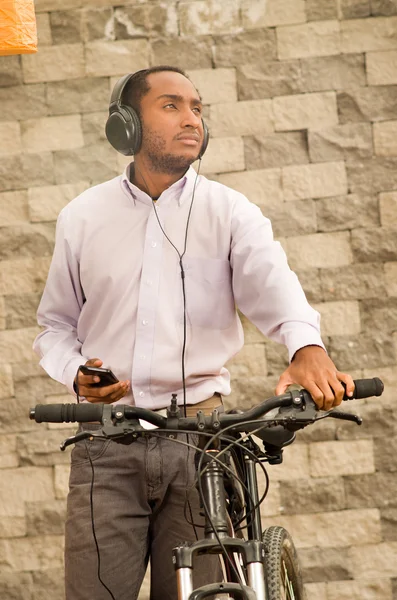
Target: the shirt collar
(178, 191)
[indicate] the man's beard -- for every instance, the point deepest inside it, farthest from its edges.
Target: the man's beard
(154, 146)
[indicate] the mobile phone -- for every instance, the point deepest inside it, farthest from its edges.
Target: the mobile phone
(107, 377)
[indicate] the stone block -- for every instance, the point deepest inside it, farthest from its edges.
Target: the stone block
(10, 135)
(215, 85)
(347, 212)
(249, 391)
(78, 95)
(20, 310)
(2, 313)
(250, 361)
(385, 138)
(261, 186)
(8, 443)
(26, 240)
(66, 26)
(158, 20)
(329, 459)
(223, 155)
(6, 381)
(389, 524)
(370, 245)
(321, 10)
(349, 141)
(52, 133)
(367, 491)
(373, 589)
(245, 47)
(329, 530)
(295, 465)
(378, 420)
(315, 591)
(372, 175)
(323, 431)
(252, 334)
(382, 67)
(379, 312)
(45, 518)
(36, 169)
(305, 111)
(271, 505)
(10, 71)
(383, 7)
(208, 17)
(371, 561)
(391, 278)
(316, 38)
(271, 13)
(50, 65)
(354, 9)
(312, 496)
(99, 24)
(48, 583)
(269, 78)
(363, 351)
(116, 58)
(314, 181)
(277, 358)
(353, 282)
(276, 150)
(385, 460)
(365, 35)
(45, 203)
(333, 72)
(368, 104)
(16, 586)
(23, 102)
(319, 564)
(241, 118)
(309, 279)
(61, 481)
(22, 485)
(297, 218)
(44, 37)
(16, 345)
(339, 318)
(13, 208)
(93, 127)
(319, 250)
(24, 275)
(32, 553)
(176, 50)
(93, 164)
(50, 5)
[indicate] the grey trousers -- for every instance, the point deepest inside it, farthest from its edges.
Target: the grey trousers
(138, 508)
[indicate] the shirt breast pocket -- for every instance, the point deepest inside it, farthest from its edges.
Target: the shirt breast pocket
(209, 295)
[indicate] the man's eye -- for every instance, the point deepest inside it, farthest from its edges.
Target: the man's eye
(168, 105)
(198, 110)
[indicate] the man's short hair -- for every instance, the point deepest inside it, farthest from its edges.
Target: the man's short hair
(138, 86)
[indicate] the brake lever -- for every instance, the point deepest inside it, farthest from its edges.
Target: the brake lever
(345, 416)
(83, 435)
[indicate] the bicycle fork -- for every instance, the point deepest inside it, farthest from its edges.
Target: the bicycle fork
(216, 541)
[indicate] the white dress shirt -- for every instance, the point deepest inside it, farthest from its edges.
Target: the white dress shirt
(114, 288)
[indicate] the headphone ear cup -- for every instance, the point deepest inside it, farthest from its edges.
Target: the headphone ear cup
(124, 131)
(206, 139)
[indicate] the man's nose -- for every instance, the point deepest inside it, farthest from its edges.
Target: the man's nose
(191, 119)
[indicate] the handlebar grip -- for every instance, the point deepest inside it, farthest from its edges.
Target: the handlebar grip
(365, 388)
(66, 413)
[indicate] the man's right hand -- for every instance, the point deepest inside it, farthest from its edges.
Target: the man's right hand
(106, 394)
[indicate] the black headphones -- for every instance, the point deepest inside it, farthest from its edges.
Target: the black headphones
(123, 127)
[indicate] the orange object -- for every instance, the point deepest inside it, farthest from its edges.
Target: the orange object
(18, 32)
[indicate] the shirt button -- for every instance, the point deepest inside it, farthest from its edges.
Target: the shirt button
(144, 322)
(142, 357)
(141, 394)
(149, 282)
(154, 244)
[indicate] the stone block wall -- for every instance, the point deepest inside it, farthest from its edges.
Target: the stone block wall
(301, 100)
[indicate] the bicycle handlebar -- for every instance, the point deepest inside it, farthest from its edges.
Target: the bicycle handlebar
(82, 413)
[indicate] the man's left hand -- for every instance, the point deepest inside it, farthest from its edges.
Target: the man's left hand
(312, 368)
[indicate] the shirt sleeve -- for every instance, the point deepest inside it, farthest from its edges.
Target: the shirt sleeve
(58, 345)
(265, 288)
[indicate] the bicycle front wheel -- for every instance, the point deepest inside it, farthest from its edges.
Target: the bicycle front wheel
(284, 579)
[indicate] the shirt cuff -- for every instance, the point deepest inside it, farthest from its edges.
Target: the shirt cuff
(297, 340)
(70, 372)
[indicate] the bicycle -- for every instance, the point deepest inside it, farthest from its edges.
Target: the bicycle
(261, 565)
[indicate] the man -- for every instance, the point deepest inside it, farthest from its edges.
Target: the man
(147, 271)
